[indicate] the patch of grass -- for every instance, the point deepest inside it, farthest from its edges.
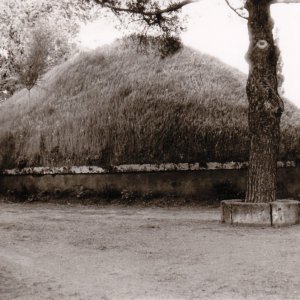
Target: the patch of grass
(116, 106)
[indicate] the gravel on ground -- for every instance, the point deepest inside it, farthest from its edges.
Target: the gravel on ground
(53, 251)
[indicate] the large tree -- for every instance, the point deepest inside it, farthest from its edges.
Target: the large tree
(265, 103)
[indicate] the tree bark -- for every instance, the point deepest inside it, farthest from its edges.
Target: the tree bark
(265, 104)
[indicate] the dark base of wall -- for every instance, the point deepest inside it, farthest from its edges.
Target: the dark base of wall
(209, 185)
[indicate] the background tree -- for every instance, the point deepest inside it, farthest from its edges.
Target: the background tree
(33, 62)
(265, 103)
(61, 19)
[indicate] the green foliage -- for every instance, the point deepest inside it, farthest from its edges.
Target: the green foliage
(33, 62)
(115, 106)
(61, 20)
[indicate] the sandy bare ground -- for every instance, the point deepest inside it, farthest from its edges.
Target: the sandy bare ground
(53, 251)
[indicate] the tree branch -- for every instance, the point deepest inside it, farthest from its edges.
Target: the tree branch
(171, 8)
(235, 10)
(286, 1)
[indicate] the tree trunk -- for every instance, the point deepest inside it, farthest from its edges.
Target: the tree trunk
(265, 104)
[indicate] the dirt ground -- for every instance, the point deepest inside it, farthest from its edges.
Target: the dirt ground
(51, 251)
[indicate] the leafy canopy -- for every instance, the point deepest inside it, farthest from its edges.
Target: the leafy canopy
(18, 19)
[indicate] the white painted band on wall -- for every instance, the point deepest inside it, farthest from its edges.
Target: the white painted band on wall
(137, 168)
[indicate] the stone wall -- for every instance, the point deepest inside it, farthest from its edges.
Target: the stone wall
(211, 182)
